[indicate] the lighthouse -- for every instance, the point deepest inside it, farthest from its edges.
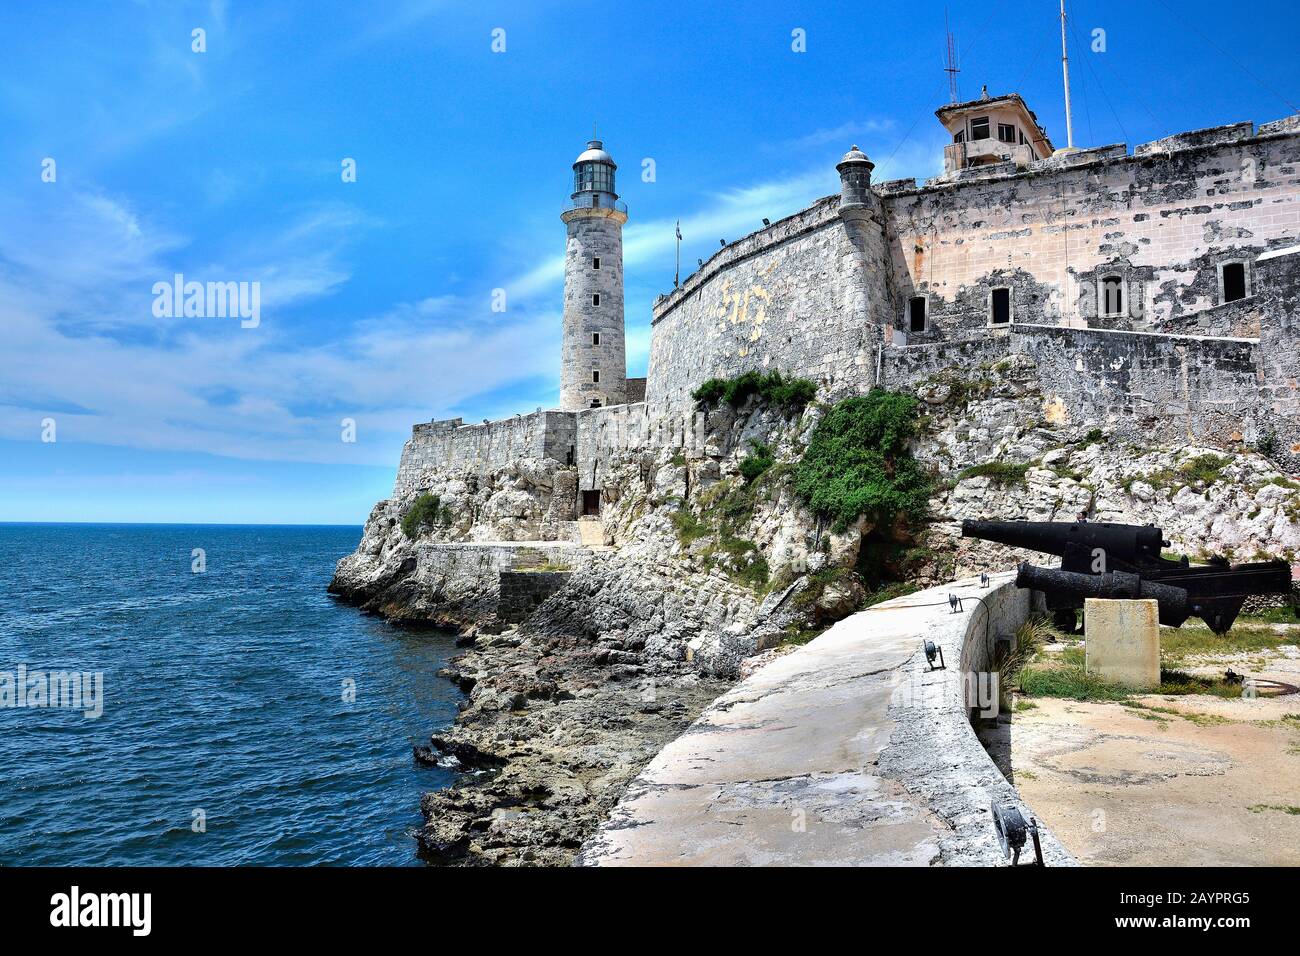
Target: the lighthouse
(593, 368)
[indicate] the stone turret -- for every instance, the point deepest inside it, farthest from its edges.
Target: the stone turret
(855, 183)
(593, 369)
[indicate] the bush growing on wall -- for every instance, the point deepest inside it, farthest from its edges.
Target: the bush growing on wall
(757, 462)
(774, 388)
(424, 513)
(857, 462)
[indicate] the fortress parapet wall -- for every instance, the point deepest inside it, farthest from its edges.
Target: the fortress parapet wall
(810, 296)
(796, 296)
(1154, 387)
(906, 367)
(605, 434)
(452, 445)
(1163, 220)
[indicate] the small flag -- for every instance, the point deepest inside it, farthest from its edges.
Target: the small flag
(679, 228)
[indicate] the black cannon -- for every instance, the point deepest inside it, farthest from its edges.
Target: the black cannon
(1126, 561)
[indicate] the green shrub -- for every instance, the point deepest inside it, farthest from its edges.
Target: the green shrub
(1002, 472)
(1267, 444)
(753, 465)
(857, 462)
(689, 527)
(425, 512)
(790, 394)
(1204, 469)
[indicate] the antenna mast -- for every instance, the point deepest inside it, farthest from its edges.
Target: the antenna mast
(1065, 69)
(952, 69)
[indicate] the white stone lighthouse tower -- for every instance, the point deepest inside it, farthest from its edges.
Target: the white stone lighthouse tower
(593, 368)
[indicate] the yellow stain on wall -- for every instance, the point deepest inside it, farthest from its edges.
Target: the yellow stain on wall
(1055, 412)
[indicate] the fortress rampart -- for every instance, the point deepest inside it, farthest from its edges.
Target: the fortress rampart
(1157, 293)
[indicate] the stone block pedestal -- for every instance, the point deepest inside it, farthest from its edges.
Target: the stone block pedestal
(1122, 641)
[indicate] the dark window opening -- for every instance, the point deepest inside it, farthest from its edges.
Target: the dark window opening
(595, 403)
(595, 298)
(959, 136)
(1112, 296)
(1001, 303)
(568, 458)
(916, 314)
(1006, 133)
(595, 375)
(590, 503)
(595, 262)
(979, 128)
(1234, 281)
(1023, 141)
(595, 338)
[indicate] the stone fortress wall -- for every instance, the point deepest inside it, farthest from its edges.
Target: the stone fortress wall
(792, 296)
(1163, 220)
(823, 294)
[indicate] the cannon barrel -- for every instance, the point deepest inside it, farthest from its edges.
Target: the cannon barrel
(1175, 607)
(1122, 543)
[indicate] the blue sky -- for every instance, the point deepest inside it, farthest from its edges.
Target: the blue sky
(376, 294)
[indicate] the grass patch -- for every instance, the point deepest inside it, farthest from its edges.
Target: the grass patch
(1069, 682)
(888, 592)
(1175, 683)
(689, 528)
(857, 463)
(1177, 643)
(426, 512)
(1002, 473)
(788, 393)
(796, 635)
(1285, 614)
(1286, 808)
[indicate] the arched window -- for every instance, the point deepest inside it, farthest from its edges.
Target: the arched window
(1112, 295)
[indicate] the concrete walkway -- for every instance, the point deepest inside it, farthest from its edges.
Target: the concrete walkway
(848, 751)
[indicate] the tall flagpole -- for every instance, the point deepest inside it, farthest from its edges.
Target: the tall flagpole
(1065, 69)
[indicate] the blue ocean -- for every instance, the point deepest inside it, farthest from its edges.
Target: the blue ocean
(247, 718)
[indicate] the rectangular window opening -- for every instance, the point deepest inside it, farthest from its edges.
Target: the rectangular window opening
(1006, 133)
(1112, 296)
(595, 262)
(916, 313)
(1000, 304)
(595, 338)
(1234, 281)
(595, 298)
(595, 375)
(979, 128)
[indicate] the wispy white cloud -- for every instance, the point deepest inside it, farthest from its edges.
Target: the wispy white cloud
(842, 136)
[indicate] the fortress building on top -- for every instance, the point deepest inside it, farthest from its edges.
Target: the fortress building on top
(1156, 291)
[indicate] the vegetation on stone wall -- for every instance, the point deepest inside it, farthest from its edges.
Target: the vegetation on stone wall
(757, 462)
(425, 512)
(1002, 472)
(787, 393)
(725, 512)
(857, 462)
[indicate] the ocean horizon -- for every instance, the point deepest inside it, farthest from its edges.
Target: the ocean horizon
(245, 715)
